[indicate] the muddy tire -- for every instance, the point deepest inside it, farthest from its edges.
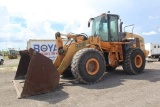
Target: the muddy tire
(88, 66)
(134, 61)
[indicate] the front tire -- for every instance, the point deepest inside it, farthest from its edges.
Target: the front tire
(88, 66)
(134, 61)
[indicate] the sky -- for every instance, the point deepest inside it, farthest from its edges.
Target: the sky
(21, 20)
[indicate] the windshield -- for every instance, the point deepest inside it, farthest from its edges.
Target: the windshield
(100, 27)
(12, 52)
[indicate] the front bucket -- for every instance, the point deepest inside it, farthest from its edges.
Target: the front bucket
(36, 74)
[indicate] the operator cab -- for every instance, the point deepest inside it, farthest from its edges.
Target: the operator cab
(12, 52)
(105, 26)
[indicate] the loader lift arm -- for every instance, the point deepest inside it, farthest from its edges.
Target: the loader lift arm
(66, 53)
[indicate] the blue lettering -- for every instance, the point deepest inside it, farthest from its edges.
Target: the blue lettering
(36, 47)
(50, 47)
(44, 48)
(54, 49)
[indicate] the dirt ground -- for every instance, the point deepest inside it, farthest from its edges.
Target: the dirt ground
(116, 89)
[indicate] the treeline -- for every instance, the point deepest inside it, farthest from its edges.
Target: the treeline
(4, 53)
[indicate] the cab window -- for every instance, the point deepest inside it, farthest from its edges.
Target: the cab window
(113, 28)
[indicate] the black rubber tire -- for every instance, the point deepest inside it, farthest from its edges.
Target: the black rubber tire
(129, 63)
(110, 69)
(159, 58)
(1, 62)
(78, 66)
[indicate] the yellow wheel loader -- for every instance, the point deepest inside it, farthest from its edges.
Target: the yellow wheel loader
(86, 57)
(12, 54)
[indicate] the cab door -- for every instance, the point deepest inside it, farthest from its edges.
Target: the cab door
(113, 27)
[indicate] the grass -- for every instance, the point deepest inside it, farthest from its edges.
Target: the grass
(9, 64)
(14, 65)
(7, 69)
(6, 57)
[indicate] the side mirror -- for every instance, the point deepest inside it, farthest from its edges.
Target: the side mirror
(88, 24)
(90, 21)
(121, 26)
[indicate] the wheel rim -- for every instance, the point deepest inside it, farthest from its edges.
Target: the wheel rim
(138, 61)
(92, 66)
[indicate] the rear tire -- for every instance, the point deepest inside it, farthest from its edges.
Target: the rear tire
(88, 66)
(134, 61)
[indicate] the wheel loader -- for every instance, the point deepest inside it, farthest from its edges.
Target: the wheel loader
(12, 54)
(87, 58)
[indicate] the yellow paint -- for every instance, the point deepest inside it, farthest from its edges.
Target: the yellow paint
(113, 48)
